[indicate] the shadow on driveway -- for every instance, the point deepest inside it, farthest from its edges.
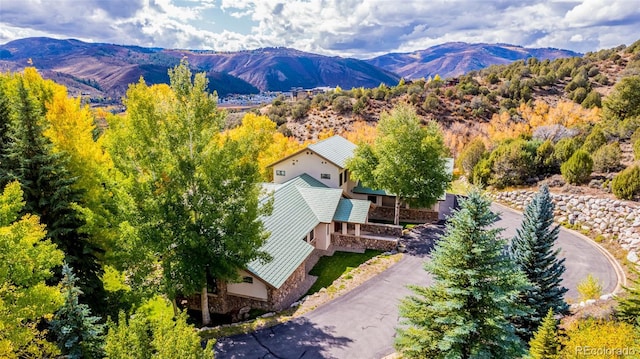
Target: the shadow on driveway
(421, 239)
(298, 338)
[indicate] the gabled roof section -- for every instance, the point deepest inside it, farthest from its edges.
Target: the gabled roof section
(336, 149)
(352, 211)
(299, 205)
(322, 201)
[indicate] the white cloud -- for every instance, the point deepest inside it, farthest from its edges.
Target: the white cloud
(359, 28)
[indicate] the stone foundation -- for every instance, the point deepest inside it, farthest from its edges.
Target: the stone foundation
(383, 229)
(363, 242)
(414, 215)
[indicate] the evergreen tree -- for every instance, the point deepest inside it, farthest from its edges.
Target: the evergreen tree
(629, 308)
(532, 251)
(545, 343)
(5, 122)
(476, 287)
(77, 332)
(48, 192)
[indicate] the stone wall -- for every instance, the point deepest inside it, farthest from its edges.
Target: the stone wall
(384, 229)
(416, 215)
(611, 218)
(363, 242)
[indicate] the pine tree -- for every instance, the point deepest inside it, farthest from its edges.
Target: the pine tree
(545, 343)
(48, 192)
(629, 308)
(78, 333)
(5, 124)
(476, 286)
(532, 251)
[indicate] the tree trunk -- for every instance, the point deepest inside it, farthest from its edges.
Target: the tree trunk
(175, 307)
(204, 306)
(396, 217)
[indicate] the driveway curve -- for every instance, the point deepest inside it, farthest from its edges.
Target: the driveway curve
(361, 324)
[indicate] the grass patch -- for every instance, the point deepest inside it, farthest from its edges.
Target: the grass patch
(330, 268)
(460, 187)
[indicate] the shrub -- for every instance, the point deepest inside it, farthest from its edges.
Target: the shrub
(626, 184)
(578, 168)
(595, 139)
(545, 160)
(482, 172)
(593, 99)
(589, 288)
(636, 150)
(607, 157)
(590, 333)
(341, 104)
(565, 148)
(471, 155)
(511, 163)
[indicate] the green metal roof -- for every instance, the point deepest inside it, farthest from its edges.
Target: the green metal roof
(299, 205)
(366, 190)
(322, 201)
(352, 211)
(336, 149)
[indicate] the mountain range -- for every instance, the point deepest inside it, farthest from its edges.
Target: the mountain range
(105, 71)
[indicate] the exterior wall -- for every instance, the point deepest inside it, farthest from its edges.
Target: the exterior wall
(310, 163)
(383, 229)
(417, 215)
(323, 235)
(363, 242)
(257, 289)
(291, 290)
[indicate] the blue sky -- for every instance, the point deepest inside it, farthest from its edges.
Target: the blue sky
(355, 28)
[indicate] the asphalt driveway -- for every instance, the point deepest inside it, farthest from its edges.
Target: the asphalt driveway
(361, 324)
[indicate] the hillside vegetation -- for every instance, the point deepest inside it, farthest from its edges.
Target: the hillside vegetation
(526, 112)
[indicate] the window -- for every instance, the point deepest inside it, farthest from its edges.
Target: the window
(311, 236)
(247, 280)
(280, 173)
(373, 199)
(325, 175)
(340, 184)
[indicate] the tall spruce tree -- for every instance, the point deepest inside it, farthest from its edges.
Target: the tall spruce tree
(545, 343)
(78, 333)
(532, 250)
(48, 191)
(476, 287)
(5, 125)
(629, 308)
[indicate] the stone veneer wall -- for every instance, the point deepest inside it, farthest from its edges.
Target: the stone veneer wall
(611, 218)
(406, 214)
(363, 242)
(292, 289)
(384, 229)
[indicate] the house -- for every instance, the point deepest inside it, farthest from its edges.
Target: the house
(317, 207)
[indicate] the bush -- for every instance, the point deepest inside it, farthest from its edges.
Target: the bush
(589, 288)
(636, 150)
(482, 172)
(545, 161)
(626, 184)
(511, 163)
(607, 158)
(595, 139)
(565, 148)
(471, 155)
(341, 104)
(593, 99)
(578, 168)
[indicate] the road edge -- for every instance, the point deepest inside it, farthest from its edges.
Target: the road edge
(620, 274)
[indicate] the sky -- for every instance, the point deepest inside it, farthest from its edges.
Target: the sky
(348, 28)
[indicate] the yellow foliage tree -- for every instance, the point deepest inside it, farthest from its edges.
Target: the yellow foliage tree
(503, 127)
(361, 132)
(592, 338)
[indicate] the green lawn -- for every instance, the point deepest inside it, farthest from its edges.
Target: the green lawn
(330, 268)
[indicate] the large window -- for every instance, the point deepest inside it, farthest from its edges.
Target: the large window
(325, 175)
(280, 172)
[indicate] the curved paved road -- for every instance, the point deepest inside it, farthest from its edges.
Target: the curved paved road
(361, 324)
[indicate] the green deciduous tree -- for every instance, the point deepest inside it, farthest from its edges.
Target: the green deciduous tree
(78, 333)
(148, 335)
(545, 343)
(471, 155)
(27, 260)
(196, 191)
(406, 160)
(532, 251)
(476, 286)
